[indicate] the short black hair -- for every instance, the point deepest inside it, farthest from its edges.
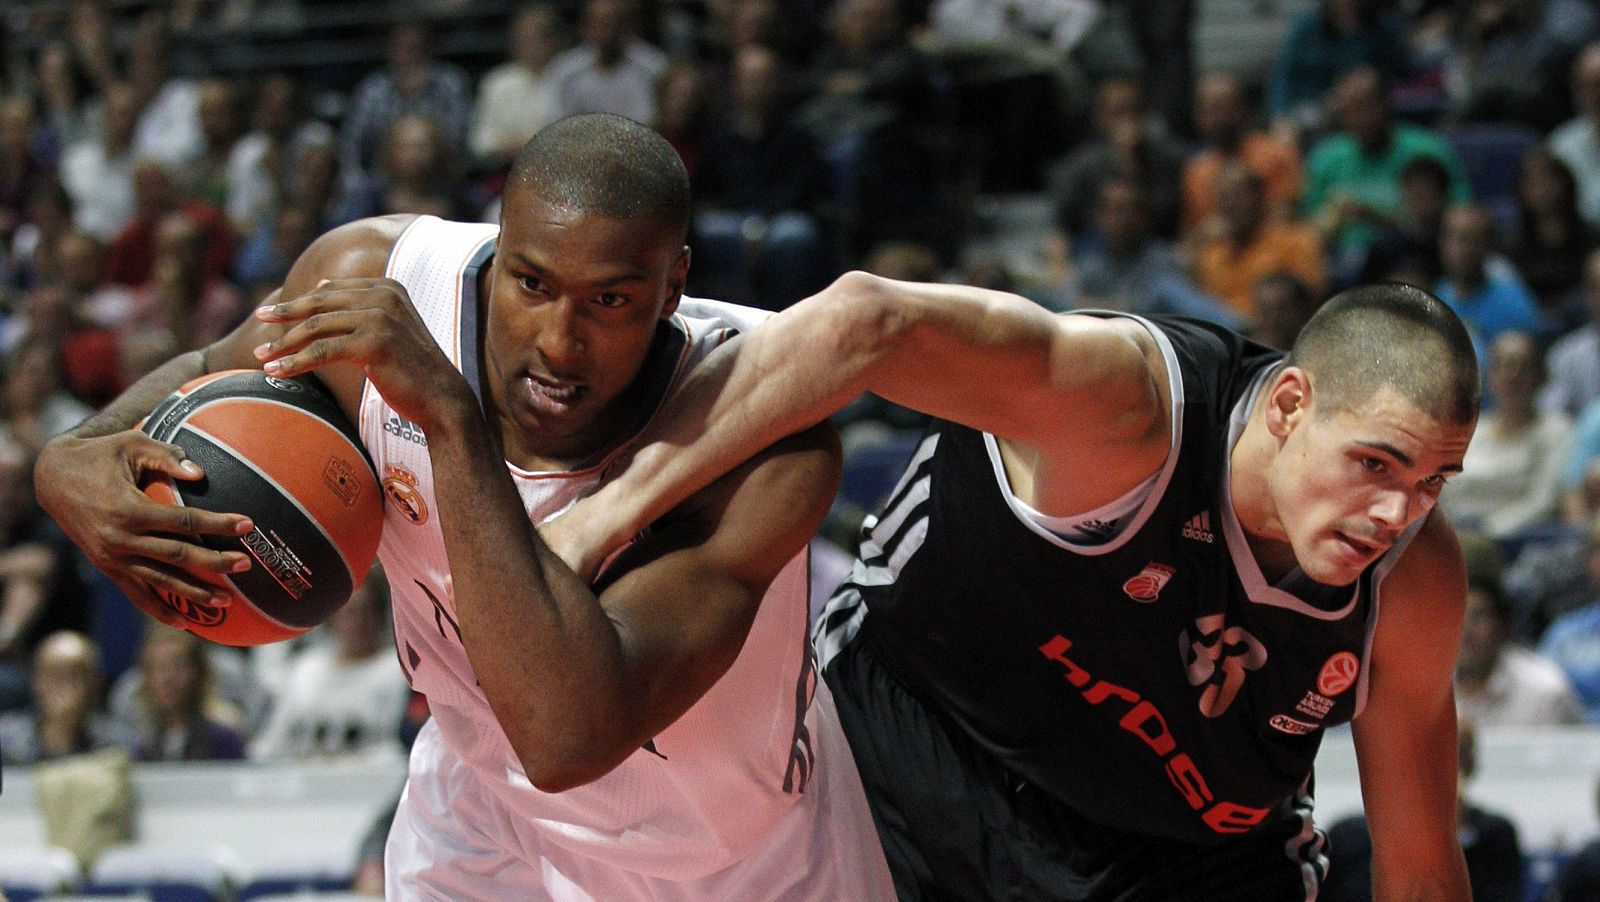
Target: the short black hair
(1395, 335)
(605, 164)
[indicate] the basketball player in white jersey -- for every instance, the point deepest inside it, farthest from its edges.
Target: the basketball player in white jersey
(660, 736)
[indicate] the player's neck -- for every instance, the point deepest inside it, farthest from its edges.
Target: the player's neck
(1248, 465)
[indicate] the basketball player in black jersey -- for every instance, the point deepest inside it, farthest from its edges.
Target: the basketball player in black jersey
(1133, 572)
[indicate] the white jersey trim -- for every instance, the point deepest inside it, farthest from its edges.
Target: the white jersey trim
(1145, 496)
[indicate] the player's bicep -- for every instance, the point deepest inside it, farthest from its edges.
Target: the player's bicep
(684, 598)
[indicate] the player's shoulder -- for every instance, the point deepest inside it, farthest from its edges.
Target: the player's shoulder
(1432, 568)
(357, 249)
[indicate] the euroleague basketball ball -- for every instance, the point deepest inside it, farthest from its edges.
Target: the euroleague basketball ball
(281, 452)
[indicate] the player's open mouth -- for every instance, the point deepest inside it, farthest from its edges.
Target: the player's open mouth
(551, 397)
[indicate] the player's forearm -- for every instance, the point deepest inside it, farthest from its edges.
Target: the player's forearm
(548, 659)
(141, 397)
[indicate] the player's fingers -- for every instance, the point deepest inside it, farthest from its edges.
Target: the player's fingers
(146, 456)
(323, 351)
(168, 592)
(329, 295)
(326, 324)
(147, 600)
(140, 515)
(188, 556)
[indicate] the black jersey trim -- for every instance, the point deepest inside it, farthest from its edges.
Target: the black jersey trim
(1031, 518)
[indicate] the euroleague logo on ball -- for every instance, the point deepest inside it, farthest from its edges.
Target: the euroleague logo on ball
(198, 612)
(1338, 673)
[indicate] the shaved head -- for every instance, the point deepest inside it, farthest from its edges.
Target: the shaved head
(605, 165)
(1390, 335)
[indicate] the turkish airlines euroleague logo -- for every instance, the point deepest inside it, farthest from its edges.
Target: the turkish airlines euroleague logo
(1338, 674)
(198, 612)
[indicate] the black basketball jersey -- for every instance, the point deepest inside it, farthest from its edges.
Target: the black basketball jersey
(1153, 682)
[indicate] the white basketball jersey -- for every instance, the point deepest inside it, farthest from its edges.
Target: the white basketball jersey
(708, 789)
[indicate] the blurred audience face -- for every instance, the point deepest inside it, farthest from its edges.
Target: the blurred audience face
(1591, 285)
(154, 191)
(82, 260)
(1465, 246)
(1516, 368)
(535, 36)
(174, 668)
(1240, 200)
(1360, 108)
(1482, 635)
(66, 677)
(1423, 200)
(54, 71)
(409, 46)
(1219, 111)
(682, 100)
(605, 27)
(121, 115)
(757, 80)
(35, 375)
(179, 239)
(219, 113)
(293, 232)
(414, 150)
(1545, 186)
(1586, 81)
(1120, 216)
(1283, 307)
(752, 22)
(1118, 103)
(16, 126)
(274, 111)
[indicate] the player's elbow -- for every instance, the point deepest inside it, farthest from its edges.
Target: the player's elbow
(557, 770)
(862, 317)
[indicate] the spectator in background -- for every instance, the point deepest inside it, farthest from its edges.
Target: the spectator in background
(1498, 683)
(686, 111)
(1325, 44)
(227, 176)
(1511, 476)
(182, 302)
(1283, 306)
(1223, 121)
(1243, 244)
(1577, 141)
(65, 716)
(1120, 265)
(416, 173)
(41, 592)
(269, 157)
(169, 106)
(264, 260)
(413, 82)
(65, 93)
(78, 312)
(1574, 359)
(518, 97)
(157, 195)
(1507, 55)
(1488, 842)
(1410, 239)
(98, 173)
(22, 162)
(35, 404)
(312, 183)
(1551, 241)
(1127, 145)
(759, 181)
(47, 215)
(1353, 183)
(341, 697)
(1489, 299)
(611, 70)
(183, 719)
(1572, 639)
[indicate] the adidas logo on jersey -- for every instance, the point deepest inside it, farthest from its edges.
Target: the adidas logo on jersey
(1199, 528)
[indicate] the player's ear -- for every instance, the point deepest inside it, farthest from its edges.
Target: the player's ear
(675, 282)
(1288, 400)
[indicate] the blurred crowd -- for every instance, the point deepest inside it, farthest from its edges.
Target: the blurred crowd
(163, 164)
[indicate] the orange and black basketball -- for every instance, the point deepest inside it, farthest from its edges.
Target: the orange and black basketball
(281, 452)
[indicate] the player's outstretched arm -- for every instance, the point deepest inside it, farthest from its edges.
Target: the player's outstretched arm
(1069, 391)
(88, 478)
(1406, 736)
